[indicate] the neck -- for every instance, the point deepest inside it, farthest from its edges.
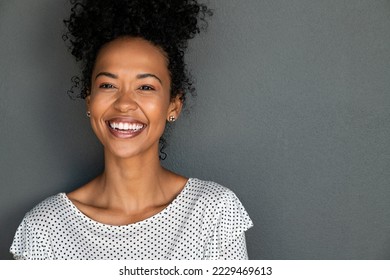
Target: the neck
(132, 183)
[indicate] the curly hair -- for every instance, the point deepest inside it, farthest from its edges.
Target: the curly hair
(167, 24)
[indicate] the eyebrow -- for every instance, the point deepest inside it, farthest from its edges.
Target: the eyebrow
(139, 76)
(107, 74)
(147, 75)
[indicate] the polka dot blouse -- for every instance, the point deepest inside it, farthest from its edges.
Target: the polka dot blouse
(205, 221)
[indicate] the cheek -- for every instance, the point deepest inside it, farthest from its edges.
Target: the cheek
(97, 108)
(98, 103)
(155, 108)
(158, 111)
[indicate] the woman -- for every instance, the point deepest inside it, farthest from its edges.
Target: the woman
(134, 81)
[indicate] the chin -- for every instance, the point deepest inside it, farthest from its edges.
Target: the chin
(129, 152)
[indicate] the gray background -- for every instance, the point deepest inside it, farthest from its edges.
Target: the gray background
(292, 113)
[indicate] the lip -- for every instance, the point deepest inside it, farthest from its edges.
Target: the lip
(125, 133)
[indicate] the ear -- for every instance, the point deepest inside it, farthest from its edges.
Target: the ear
(88, 102)
(175, 107)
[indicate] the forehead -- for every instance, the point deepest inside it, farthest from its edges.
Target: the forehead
(131, 52)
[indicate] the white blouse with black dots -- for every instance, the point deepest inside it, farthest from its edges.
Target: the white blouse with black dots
(205, 221)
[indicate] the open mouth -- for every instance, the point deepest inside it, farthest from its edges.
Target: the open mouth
(125, 128)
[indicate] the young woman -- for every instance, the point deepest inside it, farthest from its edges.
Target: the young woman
(134, 81)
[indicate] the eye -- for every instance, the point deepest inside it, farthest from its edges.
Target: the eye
(146, 87)
(106, 86)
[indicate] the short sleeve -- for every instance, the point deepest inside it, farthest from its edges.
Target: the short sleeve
(231, 222)
(20, 243)
(234, 220)
(235, 250)
(29, 243)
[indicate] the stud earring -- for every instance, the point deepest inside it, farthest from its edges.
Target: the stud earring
(88, 114)
(172, 119)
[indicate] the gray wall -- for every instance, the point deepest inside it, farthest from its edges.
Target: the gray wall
(292, 113)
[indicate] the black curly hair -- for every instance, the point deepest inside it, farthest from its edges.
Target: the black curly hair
(167, 24)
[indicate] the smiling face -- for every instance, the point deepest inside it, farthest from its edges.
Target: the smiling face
(130, 97)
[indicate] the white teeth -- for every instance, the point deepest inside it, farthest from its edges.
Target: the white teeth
(126, 126)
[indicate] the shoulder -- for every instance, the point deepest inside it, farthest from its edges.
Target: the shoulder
(221, 205)
(212, 195)
(32, 238)
(46, 210)
(206, 189)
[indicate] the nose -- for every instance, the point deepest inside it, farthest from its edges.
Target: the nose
(125, 101)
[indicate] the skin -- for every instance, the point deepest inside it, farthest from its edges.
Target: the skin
(130, 83)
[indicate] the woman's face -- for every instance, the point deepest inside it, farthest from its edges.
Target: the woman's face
(130, 97)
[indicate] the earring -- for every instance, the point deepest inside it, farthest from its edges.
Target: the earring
(88, 114)
(172, 119)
